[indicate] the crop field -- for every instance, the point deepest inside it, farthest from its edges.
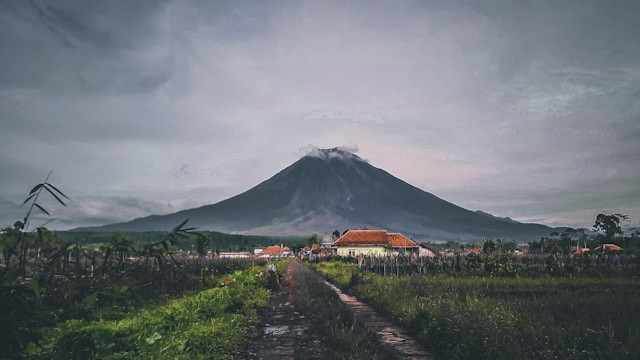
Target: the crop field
(122, 299)
(474, 317)
(148, 307)
(214, 321)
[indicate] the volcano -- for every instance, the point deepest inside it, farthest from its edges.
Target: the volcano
(333, 189)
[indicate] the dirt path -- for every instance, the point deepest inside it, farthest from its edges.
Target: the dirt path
(391, 336)
(288, 334)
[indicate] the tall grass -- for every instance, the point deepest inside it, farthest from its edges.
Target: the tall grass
(506, 318)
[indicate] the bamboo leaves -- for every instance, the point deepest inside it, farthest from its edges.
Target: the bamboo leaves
(41, 209)
(34, 194)
(179, 231)
(55, 192)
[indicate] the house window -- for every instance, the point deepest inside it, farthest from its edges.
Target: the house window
(352, 252)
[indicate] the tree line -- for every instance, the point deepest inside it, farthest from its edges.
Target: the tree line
(607, 229)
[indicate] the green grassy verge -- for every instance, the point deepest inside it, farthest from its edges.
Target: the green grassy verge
(347, 337)
(506, 318)
(212, 324)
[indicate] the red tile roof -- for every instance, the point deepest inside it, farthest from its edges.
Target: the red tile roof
(399, 240)
(374, 237)
(609, 247)
(363, 237)
(582, 250)
(274, 250)
(477, 250)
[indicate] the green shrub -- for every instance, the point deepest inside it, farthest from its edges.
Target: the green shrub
(213, 323)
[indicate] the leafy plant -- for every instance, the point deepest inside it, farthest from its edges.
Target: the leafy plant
(19, 296)
(34, 194)
(215, 321)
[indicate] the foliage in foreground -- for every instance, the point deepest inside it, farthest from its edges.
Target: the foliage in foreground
(495, 318)
(212, 324)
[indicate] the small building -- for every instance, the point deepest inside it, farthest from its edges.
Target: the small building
(234, 254)
(522, 252)
(373, 242)
(327, 241)
(581, 250)
(315, 248)
(275, 251)
(425, 251)
(608, 247)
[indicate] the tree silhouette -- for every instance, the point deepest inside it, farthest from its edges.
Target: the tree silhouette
(609, 224)
(313, 239)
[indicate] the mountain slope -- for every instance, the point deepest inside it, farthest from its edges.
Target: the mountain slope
(334, 189)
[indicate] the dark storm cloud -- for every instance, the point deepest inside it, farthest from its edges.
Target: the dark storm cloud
(497, 104)
(79, 46)
(587, 33)
(95, 210)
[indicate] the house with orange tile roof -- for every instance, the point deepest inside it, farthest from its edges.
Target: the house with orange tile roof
(608, 247)
(315, 248)
(373, 242)
(581, 250)
(275, 251)
(425, 251)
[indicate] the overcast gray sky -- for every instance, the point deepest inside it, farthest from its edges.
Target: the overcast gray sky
(526, 109)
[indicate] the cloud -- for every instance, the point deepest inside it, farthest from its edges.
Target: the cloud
(431, 169)
(351, 148)
(92, 211)
(483, 102)
(337, 116)
(582, 218)
(89, 48)
(328, 153)
(183, 171)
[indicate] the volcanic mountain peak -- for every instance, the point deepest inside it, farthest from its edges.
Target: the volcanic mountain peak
(331, 189)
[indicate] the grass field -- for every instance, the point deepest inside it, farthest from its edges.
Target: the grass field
(505, 318)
